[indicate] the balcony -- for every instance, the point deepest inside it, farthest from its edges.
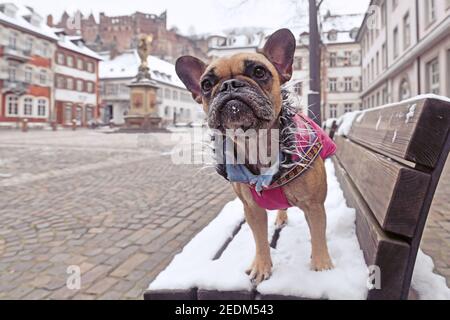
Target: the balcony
(15, 87)
(16, 54)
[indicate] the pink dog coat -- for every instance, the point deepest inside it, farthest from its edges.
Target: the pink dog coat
(311, 141)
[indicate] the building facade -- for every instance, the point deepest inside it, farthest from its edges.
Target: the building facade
(175, 103)
(406, 50)
(121, 33)
(341, 65)
(76, 78)
(27, 47)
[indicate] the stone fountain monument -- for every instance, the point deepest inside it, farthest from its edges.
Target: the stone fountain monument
(143, 114)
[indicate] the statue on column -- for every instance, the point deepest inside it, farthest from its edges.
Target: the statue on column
(145, 42)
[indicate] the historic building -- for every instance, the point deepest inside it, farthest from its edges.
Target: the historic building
(341, 65)
(174, 102)
(406, 50)
(340, 61)
(27, 48)
(120, 33)
(76, 78)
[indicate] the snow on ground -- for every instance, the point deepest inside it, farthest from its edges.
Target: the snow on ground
(194, 266)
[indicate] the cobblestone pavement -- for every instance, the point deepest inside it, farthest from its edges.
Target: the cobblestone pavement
(113, 204)
(436, 237)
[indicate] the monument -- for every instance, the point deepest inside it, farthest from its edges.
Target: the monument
(143, 114)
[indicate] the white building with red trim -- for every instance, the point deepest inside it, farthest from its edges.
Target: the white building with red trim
(76, 79)
(27, 46)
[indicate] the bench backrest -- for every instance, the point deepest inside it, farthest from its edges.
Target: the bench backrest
(389, 166)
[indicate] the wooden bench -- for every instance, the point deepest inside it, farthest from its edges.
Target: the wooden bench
(388, 166)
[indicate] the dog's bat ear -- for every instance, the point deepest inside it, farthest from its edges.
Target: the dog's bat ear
(189, 69)
(280, 50)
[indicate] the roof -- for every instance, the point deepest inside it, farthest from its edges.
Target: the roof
(19, 21)
(345, 27)
(76, 44)
(126, 66)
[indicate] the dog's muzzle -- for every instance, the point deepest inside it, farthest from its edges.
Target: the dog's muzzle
(238, 105)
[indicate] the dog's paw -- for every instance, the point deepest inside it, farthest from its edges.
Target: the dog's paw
(260, 269)
(281, 220)
(321, 263)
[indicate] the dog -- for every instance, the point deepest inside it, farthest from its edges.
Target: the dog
(243, 92)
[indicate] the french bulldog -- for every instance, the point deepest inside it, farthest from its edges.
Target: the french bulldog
(244, 91)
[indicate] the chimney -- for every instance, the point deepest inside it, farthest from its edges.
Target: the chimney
(50, 20)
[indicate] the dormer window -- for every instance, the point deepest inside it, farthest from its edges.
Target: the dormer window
(304, 38)
(9, 9)
(332, 35)
(354, 33)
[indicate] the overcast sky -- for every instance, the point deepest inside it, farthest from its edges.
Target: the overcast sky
(201, 16)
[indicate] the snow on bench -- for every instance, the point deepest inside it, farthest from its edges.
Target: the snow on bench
(195, 272)
(212, 265)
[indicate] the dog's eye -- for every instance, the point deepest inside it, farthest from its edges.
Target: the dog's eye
(206, 85)
(259, 72)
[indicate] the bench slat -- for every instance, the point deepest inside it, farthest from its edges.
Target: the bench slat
(388, 253)
(393, 192)
(415, 131)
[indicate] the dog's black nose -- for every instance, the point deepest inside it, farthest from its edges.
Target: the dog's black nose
(231, 85)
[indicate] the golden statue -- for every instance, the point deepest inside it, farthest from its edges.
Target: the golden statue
(145, 42)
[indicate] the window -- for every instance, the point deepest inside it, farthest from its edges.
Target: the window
(12, 71)
(12, 103)
(70, 61)
(42, 107)
(167, 93)
(333, 110)
(405, 91)
(298, 88)
(433, 76)
(377, 68)
(90, 87)
(43, 77)
(332, 84)
(385, 95)
(383, 14)
(174, 95)
(430, 11)
(68, 114)
(394, 4)
(332, 35)
(28, 74)
(69, 84)
(396, 44)
(80, 64)
(45, 50)
(333, 59)
(79, 85)
(348, 107)
(89, 113)
(28, 106)
(79, 115)
(60, 58)
(347, 58)
(406, 31)
(29, 45)
(348, 84)
(384, 56)
(298, 63)
(12, 40)
(112, 89)
(90, 67)
(60, 82)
